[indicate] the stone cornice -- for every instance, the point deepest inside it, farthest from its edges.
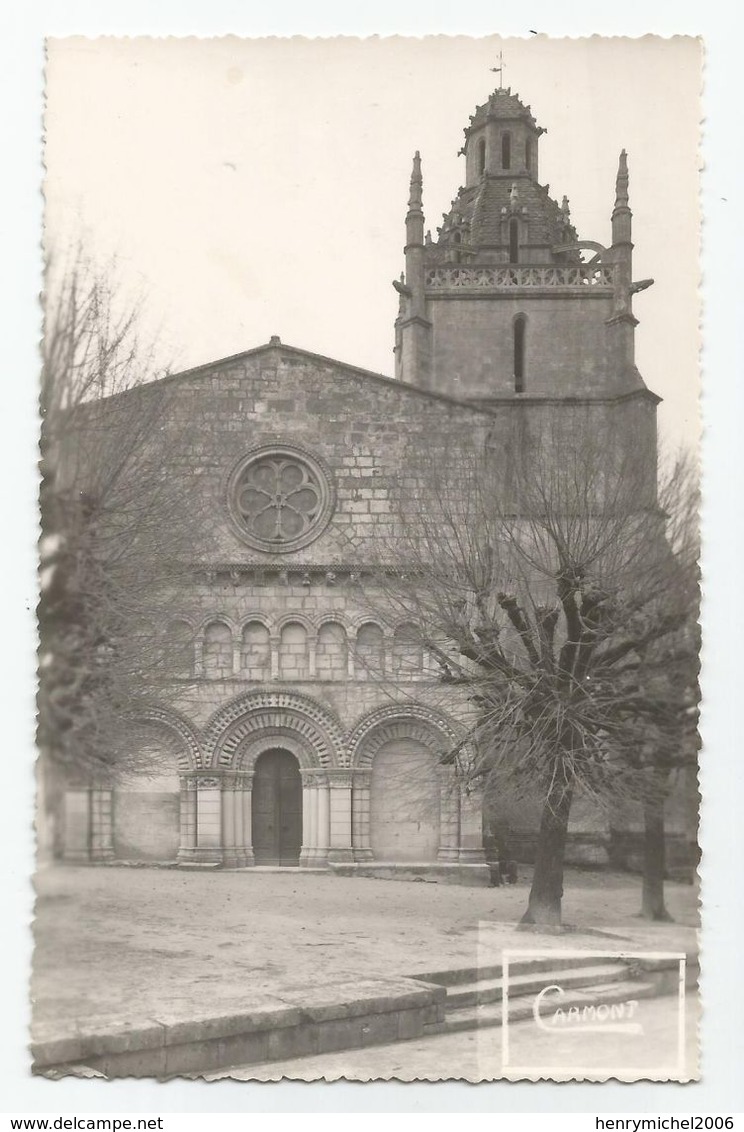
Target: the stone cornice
(578, 399)
(271, 573)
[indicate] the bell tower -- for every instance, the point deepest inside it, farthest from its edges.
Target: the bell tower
(507, 302)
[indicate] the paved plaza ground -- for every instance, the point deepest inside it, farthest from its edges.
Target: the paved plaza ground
(115, 942)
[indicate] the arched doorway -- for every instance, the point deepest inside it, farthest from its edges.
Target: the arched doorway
(404, 802)
(277, 809)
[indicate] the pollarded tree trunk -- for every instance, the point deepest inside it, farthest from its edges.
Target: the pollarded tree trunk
(654, 861)
(544, 905)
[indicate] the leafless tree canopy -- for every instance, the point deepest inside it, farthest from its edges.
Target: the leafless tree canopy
(555, 587)
(110, 556)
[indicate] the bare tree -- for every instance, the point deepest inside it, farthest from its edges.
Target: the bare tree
(111, 552)
(668, 675)
(552, 585)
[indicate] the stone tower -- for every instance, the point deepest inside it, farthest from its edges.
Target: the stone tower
(508, 304)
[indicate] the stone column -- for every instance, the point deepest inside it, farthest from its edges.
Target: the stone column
(238, 820)
(236, 841)
(323, 829)
(339, 845)
(246, 805)
(101, 824)
(77, 824)
(274, 647)
(308, 851)
(449, 815)
(227, 799)
(360, 815)
(242, 850)
(188, 818)
(471, 828)
(208, 819)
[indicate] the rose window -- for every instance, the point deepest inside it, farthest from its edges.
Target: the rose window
(280, 498)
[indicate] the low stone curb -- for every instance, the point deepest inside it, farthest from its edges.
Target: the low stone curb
(473, 875)
(299, 1022)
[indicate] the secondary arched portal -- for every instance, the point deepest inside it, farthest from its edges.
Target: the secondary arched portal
(277, 809)
(404, 802)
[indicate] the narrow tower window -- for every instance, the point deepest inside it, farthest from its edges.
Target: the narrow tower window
(513, 240)
(528, 155)
(482, 155)
(506, 150)
(520, 326)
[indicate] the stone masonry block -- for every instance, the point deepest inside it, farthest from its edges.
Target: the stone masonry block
(299, 1041)
(342, 1033)
(379, 1029)
(269, 1014)
(410, 1024)
(196, 1057)
(136, 1063)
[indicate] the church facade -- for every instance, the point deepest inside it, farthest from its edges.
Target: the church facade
(294, 707)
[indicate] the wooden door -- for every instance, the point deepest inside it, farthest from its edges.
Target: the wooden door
(277, 809)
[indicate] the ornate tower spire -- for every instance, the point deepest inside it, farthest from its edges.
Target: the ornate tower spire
(415, 214)
(622, 323)
(415, 199)
(621, 181)
(621, 214)
(412, 327)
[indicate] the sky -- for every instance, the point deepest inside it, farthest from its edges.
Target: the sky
(258, 187)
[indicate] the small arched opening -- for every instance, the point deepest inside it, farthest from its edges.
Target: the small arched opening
(407, 652)
(513, 240)
(294, 662)
(506, 150)
(218, 651)
(520, 334)
(331, 659)
(255, 651)
(481, 156)
(370, 651)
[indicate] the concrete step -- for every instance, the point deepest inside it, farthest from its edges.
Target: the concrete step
(531, 982)
(455, 977)
(304, 1020)
(489, 1014)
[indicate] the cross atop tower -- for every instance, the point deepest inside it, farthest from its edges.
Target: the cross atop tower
(500, 70)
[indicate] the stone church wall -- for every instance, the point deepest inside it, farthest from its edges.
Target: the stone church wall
(565, 354)
(285, 652)
(364, 429)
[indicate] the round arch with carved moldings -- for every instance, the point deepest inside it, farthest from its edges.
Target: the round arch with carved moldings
(269, 739)
(401, 721)
(245, 724)
(437, 791)
(188, 753)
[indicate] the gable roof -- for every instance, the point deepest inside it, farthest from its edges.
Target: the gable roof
(482, 407)
(275, 346)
